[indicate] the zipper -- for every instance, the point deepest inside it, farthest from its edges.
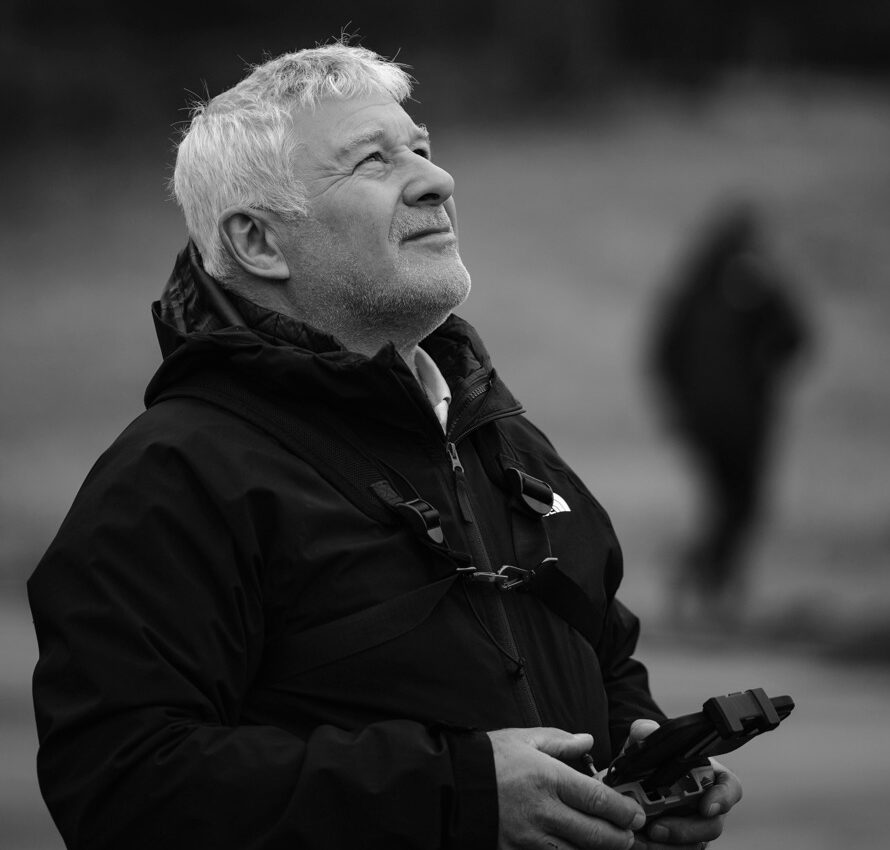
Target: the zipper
(470, 396)
(460, 485)
(500, 630)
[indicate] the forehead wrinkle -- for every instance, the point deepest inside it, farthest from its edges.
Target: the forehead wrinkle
(376, 136)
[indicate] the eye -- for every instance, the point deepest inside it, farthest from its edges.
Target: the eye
(377, 156)
(423, 152)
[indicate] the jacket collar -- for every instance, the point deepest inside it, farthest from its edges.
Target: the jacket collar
(190, 307)
(196, 332)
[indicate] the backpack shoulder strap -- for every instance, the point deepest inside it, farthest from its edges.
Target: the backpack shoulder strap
(531, 499)
(323, 441)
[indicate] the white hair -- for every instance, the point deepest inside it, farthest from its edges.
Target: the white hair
(240, 146)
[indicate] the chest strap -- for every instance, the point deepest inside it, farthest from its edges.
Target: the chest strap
(322, 441)
(537, 570)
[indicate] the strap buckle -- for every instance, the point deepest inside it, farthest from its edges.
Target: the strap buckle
(532, 494)
(515, 576)
(423, 517)
(506, 578)
(419, 514)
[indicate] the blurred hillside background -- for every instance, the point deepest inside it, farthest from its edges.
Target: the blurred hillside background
(590, 141)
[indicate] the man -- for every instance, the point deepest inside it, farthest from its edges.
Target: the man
(239, 647)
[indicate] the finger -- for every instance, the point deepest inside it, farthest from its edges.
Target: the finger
(554, 843)
(685, 831)
(559, 744)
(639, 730)
(723, 794)
(575, 829)
(644, 844)
(561, 842)
(591, 797)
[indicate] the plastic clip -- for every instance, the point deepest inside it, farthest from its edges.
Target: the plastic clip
(515, 576)
(423, 517)
(532, 494)
(506, 578)
(486, 577)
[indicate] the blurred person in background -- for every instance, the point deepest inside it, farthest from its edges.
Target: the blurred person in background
(285, 608)
(725, 338)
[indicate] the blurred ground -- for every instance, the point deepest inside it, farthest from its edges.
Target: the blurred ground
(569, 228)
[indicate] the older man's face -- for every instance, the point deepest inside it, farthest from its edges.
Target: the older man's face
(378, 243)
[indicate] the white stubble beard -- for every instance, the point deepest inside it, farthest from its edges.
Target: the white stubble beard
(412, 306)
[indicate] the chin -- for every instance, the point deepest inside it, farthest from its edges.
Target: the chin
(444, 283)
(416, 295)
(459, 285)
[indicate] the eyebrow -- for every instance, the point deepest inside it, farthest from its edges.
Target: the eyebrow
(377, 136)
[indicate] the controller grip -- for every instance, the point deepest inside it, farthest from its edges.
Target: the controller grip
(679, 798)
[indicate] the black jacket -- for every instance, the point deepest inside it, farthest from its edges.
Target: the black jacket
(199, 548)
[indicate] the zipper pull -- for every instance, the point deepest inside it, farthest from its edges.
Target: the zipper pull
(454, 458)
(460, 483)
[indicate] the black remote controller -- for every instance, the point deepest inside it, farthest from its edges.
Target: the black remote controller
(669, 770)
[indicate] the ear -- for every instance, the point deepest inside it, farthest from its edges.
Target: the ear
(250, 238)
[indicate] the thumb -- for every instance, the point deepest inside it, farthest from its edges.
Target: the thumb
(639, 730)
(561, 745)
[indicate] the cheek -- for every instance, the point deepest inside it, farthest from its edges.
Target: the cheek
(363, 227)
(359, 220)
(369, 233)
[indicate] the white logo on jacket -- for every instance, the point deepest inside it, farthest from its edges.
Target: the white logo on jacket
(559, 505)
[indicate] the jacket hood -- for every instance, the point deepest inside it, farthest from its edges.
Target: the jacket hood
(199, 330)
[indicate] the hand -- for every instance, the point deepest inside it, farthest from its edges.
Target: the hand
(689, 831)
(545, 804)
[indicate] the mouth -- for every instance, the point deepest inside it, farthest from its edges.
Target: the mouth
(428, 232)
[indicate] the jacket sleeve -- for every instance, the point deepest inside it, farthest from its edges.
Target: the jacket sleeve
(150, 626)
(626, 679)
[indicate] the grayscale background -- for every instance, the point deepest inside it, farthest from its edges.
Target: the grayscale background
(589, 142)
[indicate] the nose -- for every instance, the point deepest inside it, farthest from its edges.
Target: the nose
(428, 185)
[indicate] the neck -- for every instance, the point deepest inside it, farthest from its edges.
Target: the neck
(355, 333)
(369, 347)
(368, 339)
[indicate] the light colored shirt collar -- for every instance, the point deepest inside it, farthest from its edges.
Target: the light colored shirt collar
(434, 385)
